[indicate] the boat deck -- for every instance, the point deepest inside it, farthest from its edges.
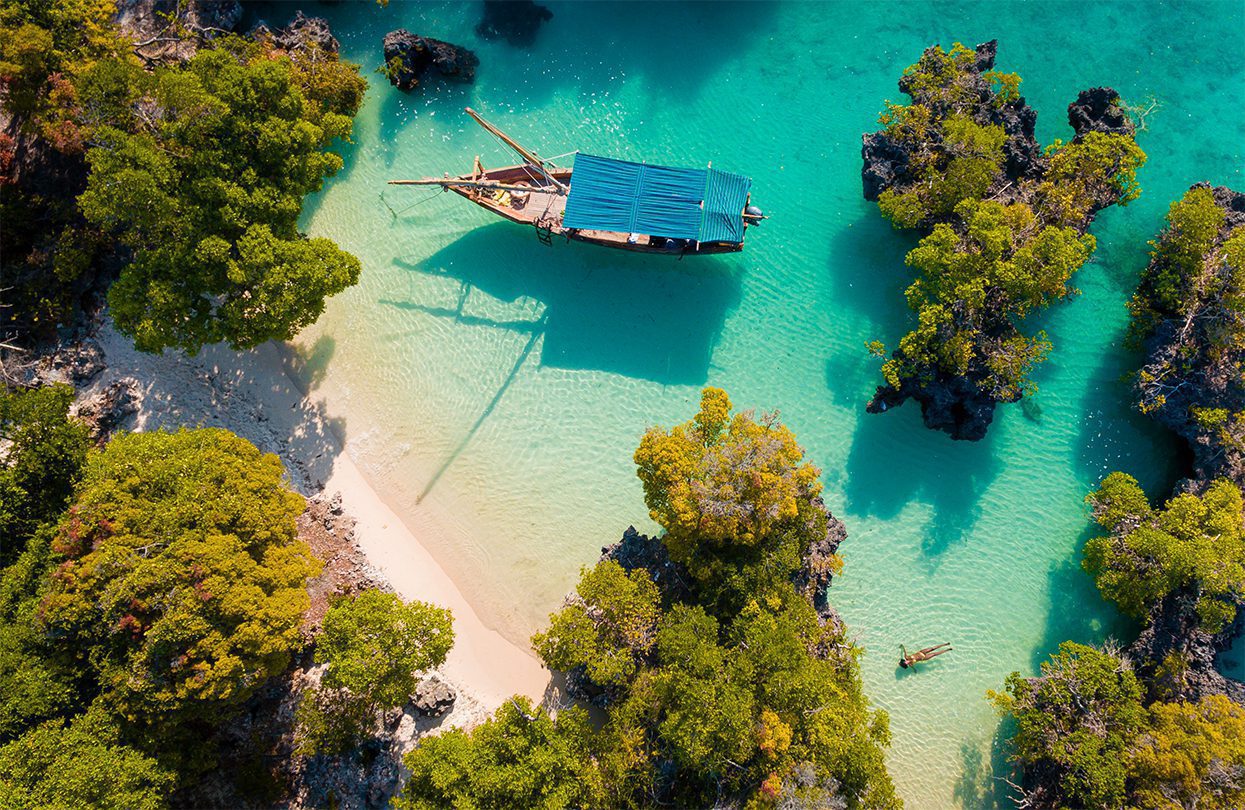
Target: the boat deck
(543, 207)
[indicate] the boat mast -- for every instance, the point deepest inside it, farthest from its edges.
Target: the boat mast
(528, 155)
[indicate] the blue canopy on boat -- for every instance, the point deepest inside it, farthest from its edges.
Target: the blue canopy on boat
(617, 195)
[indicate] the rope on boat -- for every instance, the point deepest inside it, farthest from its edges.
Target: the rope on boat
(412, 205)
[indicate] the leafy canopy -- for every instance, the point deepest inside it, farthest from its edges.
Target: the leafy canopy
(201, 171)
(183, 581)
(521, 757)
(1193, 541)
(1192, 755)
(82, 765)
(1077, 721)
(375, 645)
(721, 481)
(41, 463)
(1083, 730)
(732, 686)
(607, 627)
(1005, 226)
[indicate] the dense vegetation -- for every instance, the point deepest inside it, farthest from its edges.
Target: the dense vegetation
(1005, 225)
(375, 647)
(1189, 314)
(159, 588)
(1087, 739)
(197, 171)
(722, 683)
(1195, 542)
(1157, 726)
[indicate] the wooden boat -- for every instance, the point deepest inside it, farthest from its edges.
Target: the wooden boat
(612, 203)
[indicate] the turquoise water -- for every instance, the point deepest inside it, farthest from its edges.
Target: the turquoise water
(494, 389)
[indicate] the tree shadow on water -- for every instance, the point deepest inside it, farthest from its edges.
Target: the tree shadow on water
(1077, 611)
(648, 317)
(984, 770)
(895, 459)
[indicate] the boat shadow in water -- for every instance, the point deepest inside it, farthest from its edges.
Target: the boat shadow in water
(648, 317)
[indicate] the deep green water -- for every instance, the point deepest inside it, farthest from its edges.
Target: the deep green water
(494, 389)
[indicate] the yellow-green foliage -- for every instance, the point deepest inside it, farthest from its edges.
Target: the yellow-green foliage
(522, 757)
(183, 581)
(1099, 169)
(82, 765)
(721, 479)
(1083, 731)
(726, 688)
(44, 48)
(1002, 257)
(1177, 278)
(942, 78)
(1192, 755)
(1076, 724)
(966, 165)
(606, 628)
(1193, 542)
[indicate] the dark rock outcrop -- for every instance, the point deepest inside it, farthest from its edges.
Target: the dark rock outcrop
(1097, 110)
(110, 408)
(1173, 636)
(302, 33)
(515, 21)
(816, 570)
(168, 31)
(433, 697)
(409, 57)
(637, 551)
(953, 405)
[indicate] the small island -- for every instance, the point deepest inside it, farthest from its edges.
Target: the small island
(1005, 224)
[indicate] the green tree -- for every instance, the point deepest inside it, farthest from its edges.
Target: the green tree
(522, 757)
(206, 190)
(375, 646)
(1076, 724)
(607, 628)
(36, 683)
(80, 766)
(721, 485)
(1192, 542)
(41, 463)
(183, 582)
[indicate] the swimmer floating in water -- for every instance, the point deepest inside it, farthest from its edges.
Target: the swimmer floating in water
(917, 657)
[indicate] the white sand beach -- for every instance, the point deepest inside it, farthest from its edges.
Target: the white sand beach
(253, 394)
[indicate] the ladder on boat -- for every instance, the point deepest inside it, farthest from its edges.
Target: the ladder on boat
(544, 232)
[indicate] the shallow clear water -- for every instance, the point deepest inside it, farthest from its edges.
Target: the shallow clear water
(494, 389)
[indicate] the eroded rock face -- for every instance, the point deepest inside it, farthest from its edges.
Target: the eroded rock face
(515, 21)
(433, 697)
(952, 405)
(168, 31)
(110, 408)
(409, 57)
(303, 33)
(1096, 110)
(1173, 634)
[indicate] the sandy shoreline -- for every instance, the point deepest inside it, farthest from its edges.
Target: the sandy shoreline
(253, 394)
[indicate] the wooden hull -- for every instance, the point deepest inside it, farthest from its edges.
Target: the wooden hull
(542, 208)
